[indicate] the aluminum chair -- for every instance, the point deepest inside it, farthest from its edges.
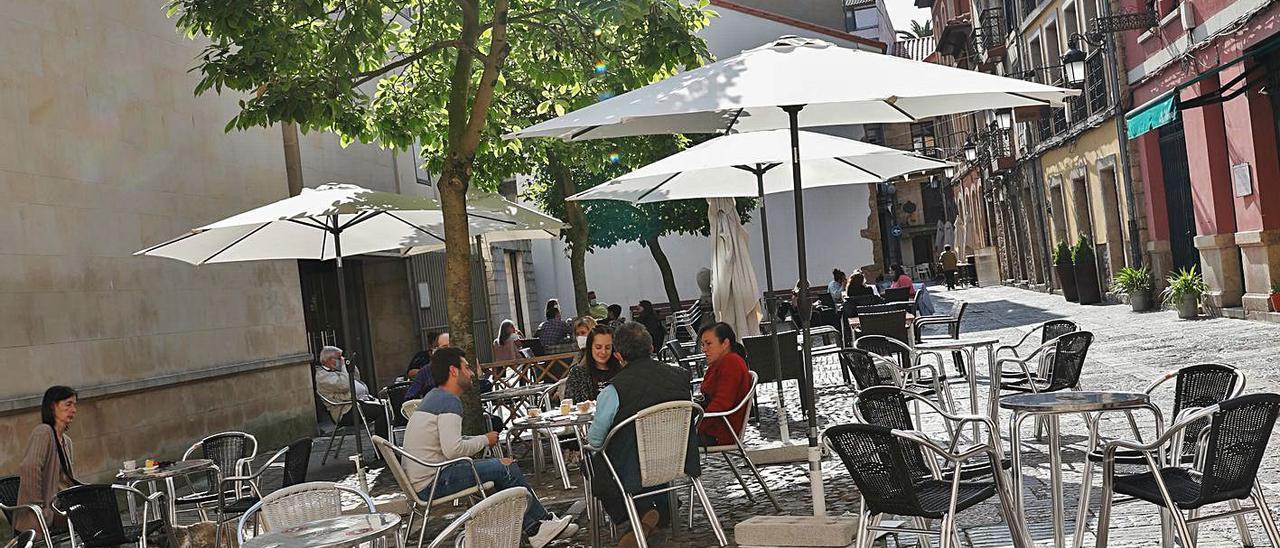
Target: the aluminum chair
(952, 323)
(870, 364)
(737, 448)
(492, 523)
(340, 431)
(408, 407)
(232, 453)
(392, 398)
(1229, 452)
(1049, 331)
(292, 459)
(1060, 363)
(879, 459)
(417, 506)
(94, 515)
(10, 508)
(662, 440)
(298, 505)
(887, 406)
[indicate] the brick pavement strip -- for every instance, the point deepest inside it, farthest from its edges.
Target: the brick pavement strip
(1129, 351)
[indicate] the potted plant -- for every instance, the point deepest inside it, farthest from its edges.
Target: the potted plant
(1088, 287)
(1184, 291)
(1136, 283)
(1066, 271)
(1275, 297)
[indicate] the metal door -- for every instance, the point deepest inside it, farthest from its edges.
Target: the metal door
(431, 301)
(1177, 196)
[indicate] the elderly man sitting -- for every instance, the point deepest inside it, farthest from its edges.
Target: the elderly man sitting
(333, 381)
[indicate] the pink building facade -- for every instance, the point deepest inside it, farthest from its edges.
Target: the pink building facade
(1206, 96)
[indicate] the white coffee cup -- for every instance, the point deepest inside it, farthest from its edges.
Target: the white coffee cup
(130, 465)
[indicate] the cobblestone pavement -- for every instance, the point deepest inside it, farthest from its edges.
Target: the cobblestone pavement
(1129, 351)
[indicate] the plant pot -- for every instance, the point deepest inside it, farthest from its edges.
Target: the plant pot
(1189, 307)
(1140, 300)
(1087, 287)
(1275, 302)
(1067, 280)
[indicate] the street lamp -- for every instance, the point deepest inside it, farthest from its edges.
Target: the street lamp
(970, 150)
(1073, 62)
(1004, 118)
(949, 172)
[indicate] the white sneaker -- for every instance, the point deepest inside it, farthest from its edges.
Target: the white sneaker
(549, 530)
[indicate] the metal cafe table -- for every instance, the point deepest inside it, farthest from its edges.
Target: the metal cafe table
(551, 424)
(1050, 405)
(340, 532)
(167, 473)
(969, 346)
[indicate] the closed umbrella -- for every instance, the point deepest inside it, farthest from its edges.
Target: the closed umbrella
(735, 296)
(332, 221)
(792, 83)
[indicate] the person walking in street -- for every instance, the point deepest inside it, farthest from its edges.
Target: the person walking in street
(950, 266)
(434, 434)
(643, 382)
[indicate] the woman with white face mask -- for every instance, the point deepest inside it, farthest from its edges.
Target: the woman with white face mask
(581, 328)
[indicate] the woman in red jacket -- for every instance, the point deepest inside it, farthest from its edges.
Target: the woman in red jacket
(726, 383)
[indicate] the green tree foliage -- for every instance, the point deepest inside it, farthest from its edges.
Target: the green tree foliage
(450, 75)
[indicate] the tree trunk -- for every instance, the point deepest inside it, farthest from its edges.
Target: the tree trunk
(664, 266)
(577, 233)
(457, 279)
(292, 158)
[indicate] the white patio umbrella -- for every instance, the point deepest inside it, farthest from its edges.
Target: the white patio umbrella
(334, 221)
(792, 83)
(735, 295)
(742, 165)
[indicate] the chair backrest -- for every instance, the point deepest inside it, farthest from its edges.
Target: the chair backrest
(305, 503)
(1239, 433)
(9, 494)
(1053, 329)
(94, 513)
(395, 397)
(887, 347)
(887, 320)
(390, 455)
(662, 440)
(878, 462)
(296, 461)
(495, 522)
(1199, 386)
(227, 450)
(408, 407)
(745, 402)
(865, 369)
(26, 539)
(1068, 360)
(760, 348)
(897, 294)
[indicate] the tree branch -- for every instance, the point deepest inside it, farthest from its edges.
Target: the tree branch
(498, 50)
(366, 76)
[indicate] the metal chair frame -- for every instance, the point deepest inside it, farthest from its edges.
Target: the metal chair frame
(242, 467)
(1013, 348)
(629, 501)
(292, 490)
(10, 510)
(909, 377)
(252, 480)
(388, 406)
(475, 511)
(22, 540)
(1155, 456)
(737, 449)
(341, 432)
(949, 533)
(417, 506)
(149, 502)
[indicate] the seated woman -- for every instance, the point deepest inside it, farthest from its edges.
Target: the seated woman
(726, 383)
(507, 345)
(581, 329)
(901, 279)
(423, 383)
(47, 465)
(858, 288)
(595, 366)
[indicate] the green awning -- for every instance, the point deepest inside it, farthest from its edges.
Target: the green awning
(1152, 115)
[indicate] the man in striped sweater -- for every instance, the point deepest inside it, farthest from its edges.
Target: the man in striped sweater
(434, 434)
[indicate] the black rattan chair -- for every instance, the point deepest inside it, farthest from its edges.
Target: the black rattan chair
(889, 320)
(885, 465)
(96, 516)
(232, 453)
(1230, 450)
(292, 459)
(392, 398)
(887, 406)
(897, 295)
(1048, 331)
(869, 368)
(9, 496)
(1061, 361)
(9, 507)
(1195, 387)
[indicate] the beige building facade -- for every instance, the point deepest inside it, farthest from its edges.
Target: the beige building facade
(104, 150)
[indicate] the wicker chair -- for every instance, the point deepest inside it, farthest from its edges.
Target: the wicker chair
(9, 507)
(94, 515)
(952, 323)
(418, 507)
(880, 461)
(1229, 452)
(889, 320)
(869, 368)
(737, 448)
(292, 459)
(300, 504)
(1049, 331)
(492, 523)
(662, 440)
(232, 453)
(393, 398)
(1195, 387)
(1060, 363)
(887, 406)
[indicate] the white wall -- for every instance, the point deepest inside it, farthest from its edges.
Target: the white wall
(732, 32)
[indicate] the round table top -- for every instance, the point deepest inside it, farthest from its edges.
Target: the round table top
(514, 393)
(339, 532)
(167, 471)
(553, 419)
(952, 344)
(1074, 402)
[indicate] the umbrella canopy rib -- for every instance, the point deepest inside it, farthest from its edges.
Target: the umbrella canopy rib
(891, 104)
(415, 227)
(860, 168)
(232, 244)
(659, 185)
(359, 218)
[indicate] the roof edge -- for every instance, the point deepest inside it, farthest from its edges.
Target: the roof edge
(763, 14)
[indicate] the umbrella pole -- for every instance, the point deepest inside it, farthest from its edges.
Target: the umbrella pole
(783, 418)
(336, 230)
(806, 346)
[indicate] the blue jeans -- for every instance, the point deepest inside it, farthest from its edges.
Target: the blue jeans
(458, 476)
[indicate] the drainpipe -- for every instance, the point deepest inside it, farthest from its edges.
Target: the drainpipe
(1122, 133)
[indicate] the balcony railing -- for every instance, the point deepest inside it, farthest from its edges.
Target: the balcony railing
(1095, 82)
(990, 32)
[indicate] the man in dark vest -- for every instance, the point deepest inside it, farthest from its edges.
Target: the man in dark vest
(642, 382)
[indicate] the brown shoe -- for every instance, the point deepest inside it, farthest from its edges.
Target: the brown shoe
(648, 522)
